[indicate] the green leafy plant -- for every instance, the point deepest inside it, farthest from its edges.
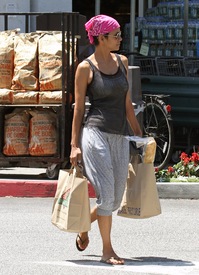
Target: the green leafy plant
(187, 169)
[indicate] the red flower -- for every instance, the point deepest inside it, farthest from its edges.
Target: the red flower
(156, 169)
(195, 157)
(186, 161)
(170, 169)
(187, 167)
(183, 156)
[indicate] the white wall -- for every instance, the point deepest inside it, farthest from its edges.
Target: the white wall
(14, 6)
(51, 5)
(30, 6)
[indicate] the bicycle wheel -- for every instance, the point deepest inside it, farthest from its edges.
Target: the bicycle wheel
(157, 123)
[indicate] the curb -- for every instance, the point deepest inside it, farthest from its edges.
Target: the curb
(27, 188)
(32, 188)
(47, 188)
(178, 190)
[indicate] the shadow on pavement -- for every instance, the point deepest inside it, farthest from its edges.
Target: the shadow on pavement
(160, 261)
(137, 261)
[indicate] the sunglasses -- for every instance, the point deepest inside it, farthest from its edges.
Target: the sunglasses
(117, 36)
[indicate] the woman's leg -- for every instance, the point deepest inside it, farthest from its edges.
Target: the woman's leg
(105, 224)
(108, 254)
(82, 239)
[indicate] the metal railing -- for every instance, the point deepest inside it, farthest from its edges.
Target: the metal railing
(168, 66)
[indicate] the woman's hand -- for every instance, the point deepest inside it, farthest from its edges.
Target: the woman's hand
(75, 156)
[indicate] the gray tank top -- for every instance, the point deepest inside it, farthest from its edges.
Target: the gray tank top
(107, 96)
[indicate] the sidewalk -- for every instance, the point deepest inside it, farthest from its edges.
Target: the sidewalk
(32, 182)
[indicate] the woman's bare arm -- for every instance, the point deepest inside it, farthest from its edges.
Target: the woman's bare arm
(81, 82)
(130, 113)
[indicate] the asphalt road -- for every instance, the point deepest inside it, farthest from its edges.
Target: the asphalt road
(30, 244)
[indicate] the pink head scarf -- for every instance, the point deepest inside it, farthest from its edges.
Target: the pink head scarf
(100, 24)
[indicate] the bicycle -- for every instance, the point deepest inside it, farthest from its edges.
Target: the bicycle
(157, 123)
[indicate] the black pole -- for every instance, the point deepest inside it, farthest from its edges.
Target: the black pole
(185, 33)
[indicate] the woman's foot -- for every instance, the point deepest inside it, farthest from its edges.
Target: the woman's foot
(82, 241)
(111, 259)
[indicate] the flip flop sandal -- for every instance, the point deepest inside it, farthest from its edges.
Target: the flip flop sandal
(82, 242)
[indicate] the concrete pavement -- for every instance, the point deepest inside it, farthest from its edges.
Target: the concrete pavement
(33, 182)
(164, 245)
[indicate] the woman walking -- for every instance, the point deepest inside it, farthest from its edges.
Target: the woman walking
(101, 144)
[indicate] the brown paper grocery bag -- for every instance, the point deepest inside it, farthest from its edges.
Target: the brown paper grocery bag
(140, 198)
(71, 208)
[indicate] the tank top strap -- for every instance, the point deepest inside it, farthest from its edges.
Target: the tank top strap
(93, 68)
(123, 68)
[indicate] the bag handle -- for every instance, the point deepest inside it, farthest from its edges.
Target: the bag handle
(77, 169)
